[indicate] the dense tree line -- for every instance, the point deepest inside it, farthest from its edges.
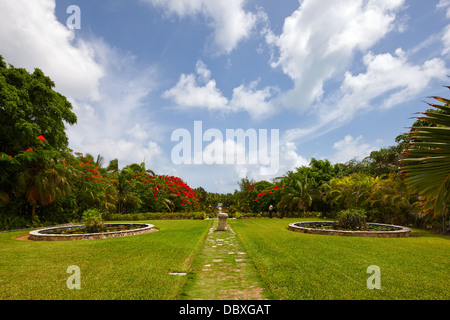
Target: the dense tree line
(408, 183)
(41, 180)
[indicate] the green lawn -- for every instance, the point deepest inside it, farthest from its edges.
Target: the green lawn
(292, 265)
(305, 266)
(135, 267)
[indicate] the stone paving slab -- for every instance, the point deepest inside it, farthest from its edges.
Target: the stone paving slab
(221, 270)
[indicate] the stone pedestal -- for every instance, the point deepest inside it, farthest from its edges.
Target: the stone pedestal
(222, 226)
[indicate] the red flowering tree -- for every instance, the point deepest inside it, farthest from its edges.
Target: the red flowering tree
(91, 188)
(141, 190)
(263, 194)
(42, 176)
(175, 189)
(165, 193)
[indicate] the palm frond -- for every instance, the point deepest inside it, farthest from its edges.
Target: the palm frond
(427, 165)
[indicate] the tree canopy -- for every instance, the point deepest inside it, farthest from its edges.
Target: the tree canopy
(29, 107)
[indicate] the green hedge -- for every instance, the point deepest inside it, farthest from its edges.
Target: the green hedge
(201, 215)
(15, 222)
(155, 216)
(312, 214)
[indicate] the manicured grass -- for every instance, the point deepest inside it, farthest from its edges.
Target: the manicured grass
(306, 266)
(222, 271)
(134, 267)
(292, 265)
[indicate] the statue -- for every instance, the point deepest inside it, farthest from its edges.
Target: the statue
(222, 226)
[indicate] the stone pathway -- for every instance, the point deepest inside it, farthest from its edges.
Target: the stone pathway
(222, 270)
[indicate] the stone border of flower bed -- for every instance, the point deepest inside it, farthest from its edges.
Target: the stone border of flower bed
(400, 232)
(37, 235)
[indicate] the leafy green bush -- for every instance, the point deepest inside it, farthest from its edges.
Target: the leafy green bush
(157, 216)
(299, 214)
(92, 220)
(10, 222)
(313, 214)
(352, 219)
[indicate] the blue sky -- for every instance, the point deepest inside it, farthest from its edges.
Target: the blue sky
(337, 79)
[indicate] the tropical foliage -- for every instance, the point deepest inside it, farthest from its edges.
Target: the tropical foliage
(41, 180)
(427, 165)
(352, 219)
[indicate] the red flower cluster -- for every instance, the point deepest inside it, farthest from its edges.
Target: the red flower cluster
(266, 192)
(173, 185)
(4, 154)
(176, 186)
(40, 138)
(89, 170)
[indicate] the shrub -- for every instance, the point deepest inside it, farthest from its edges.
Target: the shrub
(10, 222)
(313, 214)
(92, 220)
(157, 216)
(353, 219)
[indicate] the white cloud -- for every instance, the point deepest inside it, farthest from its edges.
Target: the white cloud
(231, 23)
(118, 125)
(392, 76)
(388, 81)
(203, 71)
(444, 4)
(32, 37)
(319, 40)
(200, 92)
(106, 91)
(187, 93)
(350, 148)
(256, 102)
(290, 158)
(446, 40)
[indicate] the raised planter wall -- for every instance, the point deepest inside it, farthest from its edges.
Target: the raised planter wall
(39, 235)
(399, 232)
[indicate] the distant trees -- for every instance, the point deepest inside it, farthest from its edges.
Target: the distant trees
(41, 178)
(392, 185)
(384, 199)
(297, 195)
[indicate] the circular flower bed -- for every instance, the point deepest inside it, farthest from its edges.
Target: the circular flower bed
(79, 232)
(372, 230)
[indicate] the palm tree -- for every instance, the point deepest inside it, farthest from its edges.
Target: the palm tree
(40, 182)
(390, 197)
(99, 162)
(350, 191)
(113, 166)
(124, 190)
(140, 168)
(427, 165)
(170, 205)
(297, 194)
